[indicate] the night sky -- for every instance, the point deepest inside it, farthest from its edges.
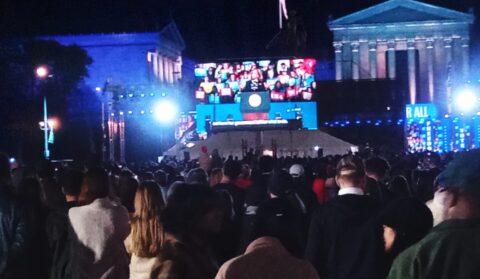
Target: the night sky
(212, 29)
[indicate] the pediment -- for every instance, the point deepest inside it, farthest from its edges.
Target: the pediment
(398, 11)
(171, 34)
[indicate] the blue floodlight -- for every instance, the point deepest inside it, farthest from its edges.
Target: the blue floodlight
(166, 111)
(466, 100)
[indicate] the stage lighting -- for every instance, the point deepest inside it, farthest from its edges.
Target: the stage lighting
(466, 100)
(166, 112)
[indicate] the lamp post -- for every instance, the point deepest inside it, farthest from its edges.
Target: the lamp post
(42, 72)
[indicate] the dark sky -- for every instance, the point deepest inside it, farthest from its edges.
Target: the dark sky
(212, 29)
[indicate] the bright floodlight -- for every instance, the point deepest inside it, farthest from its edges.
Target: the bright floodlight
(466, 100)
(41, 72)
(165, 112)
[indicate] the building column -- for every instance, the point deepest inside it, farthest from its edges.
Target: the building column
(372, 47)
(465, 58)
(430, 74)
(355, 60)
(447, 43)
(338, 60)
(392, 68)
(161, 69)
(412, 82)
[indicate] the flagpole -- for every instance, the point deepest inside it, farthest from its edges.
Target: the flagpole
(46, 128)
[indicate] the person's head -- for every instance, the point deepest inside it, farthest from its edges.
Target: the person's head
(377, 168)
(161, 178)
(278, 85)
(276, 218)
(458, 189)
(255, 75)
(147, 229)
(193, 211)
(296, 171)
(271, 73)
(405, 221)
(265, 164)
(127, 188)
(246, 171)
(350, 172)
(71, 182)
(281, 184)
(232, 169)
(216, 176)
(95, 185)
(197, 176)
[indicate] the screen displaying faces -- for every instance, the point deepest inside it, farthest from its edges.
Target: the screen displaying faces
(284, 79)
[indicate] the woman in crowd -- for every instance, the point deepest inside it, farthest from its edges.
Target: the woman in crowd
(271, 254)
(147, 235)
(193, 214)
(401, 224)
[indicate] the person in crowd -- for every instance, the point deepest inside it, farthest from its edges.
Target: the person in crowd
(36, 252)
(376, 169)
(147, 234)
(161, 178)
(244, 179)
(204, 159)
(300, 186)
(217, 161)
(452, 248)
(318, 186)
(98, 230)
(128, 185)
(197, 176)
(226, 243)
(51, 191)
(57, 224)
(216, 176)
(274, 251)
(339, 241)
(402, 223)
(193, 214)
(13, 230)
(278, 92)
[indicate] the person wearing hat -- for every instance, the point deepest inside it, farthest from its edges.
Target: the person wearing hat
(452, 248)
(339, 241)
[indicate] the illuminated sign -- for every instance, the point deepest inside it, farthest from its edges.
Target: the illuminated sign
(421, 111)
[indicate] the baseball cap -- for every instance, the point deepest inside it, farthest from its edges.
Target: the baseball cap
(296, 170)
(350, 165)
(462, 172)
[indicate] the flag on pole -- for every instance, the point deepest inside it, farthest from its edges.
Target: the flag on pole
(51, 137)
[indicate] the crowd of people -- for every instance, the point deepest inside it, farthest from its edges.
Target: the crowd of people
(354, 216)
(284, 80)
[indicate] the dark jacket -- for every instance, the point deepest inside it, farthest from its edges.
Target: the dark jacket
(12, 234)
(57, 226)
(450, 250)
(341, 243)
(178, 260)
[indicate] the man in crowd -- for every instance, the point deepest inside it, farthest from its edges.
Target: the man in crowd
(234, 196)
(452, 248)
(99, 229)
(12, 224)
(57, 224)
(339, 244)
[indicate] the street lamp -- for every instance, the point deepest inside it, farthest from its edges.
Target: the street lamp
(41, 72)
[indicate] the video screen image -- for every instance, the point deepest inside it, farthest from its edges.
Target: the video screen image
(283, 79)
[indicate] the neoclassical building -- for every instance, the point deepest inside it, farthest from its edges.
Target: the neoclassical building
(423, 45)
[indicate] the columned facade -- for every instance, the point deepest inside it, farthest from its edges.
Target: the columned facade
(434, 40)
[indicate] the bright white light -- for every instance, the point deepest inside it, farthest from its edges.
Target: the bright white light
(190, 145)
(316, 148)
(98, 89)
(165, 112)
(466, 100)
(41, 72)
(12, 160)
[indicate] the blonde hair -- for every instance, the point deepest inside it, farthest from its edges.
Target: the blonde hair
(147, 233)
